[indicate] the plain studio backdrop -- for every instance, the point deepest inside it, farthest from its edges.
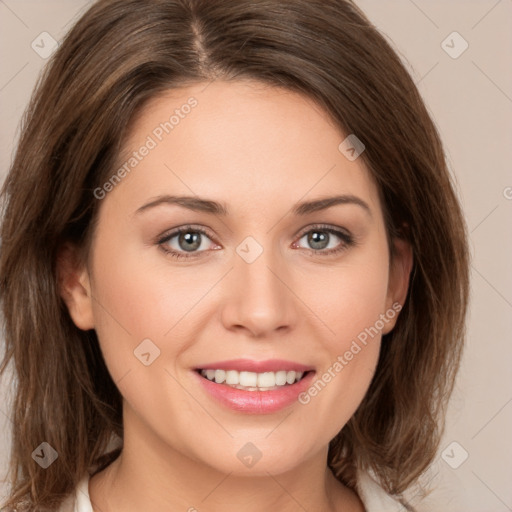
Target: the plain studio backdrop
(459, 53)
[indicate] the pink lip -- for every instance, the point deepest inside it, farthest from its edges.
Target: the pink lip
(255, 402)
(248, 365)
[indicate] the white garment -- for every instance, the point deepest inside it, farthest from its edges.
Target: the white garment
(373, 496)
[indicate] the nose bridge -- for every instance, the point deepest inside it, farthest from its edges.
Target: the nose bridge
(259, 300)
(258, 268)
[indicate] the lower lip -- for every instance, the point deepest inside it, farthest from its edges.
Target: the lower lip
(256, 402)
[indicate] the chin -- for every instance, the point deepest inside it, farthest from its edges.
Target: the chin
(257, 459)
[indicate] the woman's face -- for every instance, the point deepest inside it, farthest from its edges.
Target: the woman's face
(267, 282)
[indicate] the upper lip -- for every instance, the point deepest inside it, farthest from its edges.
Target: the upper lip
(249, 365)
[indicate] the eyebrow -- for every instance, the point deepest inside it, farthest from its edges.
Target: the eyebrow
(199, 204)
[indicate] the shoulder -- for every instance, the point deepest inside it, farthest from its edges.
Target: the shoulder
(79, 500)
(374, 497)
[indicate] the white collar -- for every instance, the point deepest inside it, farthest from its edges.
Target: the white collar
(374, 497)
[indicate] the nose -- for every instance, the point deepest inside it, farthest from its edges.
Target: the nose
(258, 297)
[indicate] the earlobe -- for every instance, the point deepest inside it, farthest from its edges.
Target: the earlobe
(399, 277)
(74, 287)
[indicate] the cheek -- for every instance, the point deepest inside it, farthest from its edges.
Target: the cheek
(136, 313)
(350, 302)
(351, 298)
(137, 291)
(130, 306)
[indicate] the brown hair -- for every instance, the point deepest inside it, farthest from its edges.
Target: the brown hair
(120, 54)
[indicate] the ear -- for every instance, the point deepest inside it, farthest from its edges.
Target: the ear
(398, 283)
(74, 287)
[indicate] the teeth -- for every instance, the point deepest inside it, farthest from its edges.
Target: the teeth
(220, 376)
(232, 377)
(249, 379)
(280, 378)
(252, 381)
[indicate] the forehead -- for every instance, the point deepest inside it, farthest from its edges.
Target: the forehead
(238, 140)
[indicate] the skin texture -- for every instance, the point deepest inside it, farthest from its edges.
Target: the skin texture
(260, 150)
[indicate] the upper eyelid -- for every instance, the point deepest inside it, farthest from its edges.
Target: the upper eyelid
(174, 232)
(326, 227)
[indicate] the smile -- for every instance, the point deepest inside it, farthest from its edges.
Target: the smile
(254, 387)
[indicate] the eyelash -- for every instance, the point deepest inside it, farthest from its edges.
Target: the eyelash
(347, 240)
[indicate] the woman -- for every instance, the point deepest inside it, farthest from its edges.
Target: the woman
(234, 269)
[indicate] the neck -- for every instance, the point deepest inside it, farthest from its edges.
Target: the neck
(152, 476)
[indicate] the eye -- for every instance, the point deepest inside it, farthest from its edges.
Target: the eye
(322, 239)
(189, 241)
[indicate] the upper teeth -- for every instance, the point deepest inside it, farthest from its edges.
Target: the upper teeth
(251, 379)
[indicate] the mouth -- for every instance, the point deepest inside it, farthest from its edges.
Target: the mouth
(252, 381)
(254, 387)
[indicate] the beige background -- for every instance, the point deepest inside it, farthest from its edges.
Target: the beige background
(470, 99)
